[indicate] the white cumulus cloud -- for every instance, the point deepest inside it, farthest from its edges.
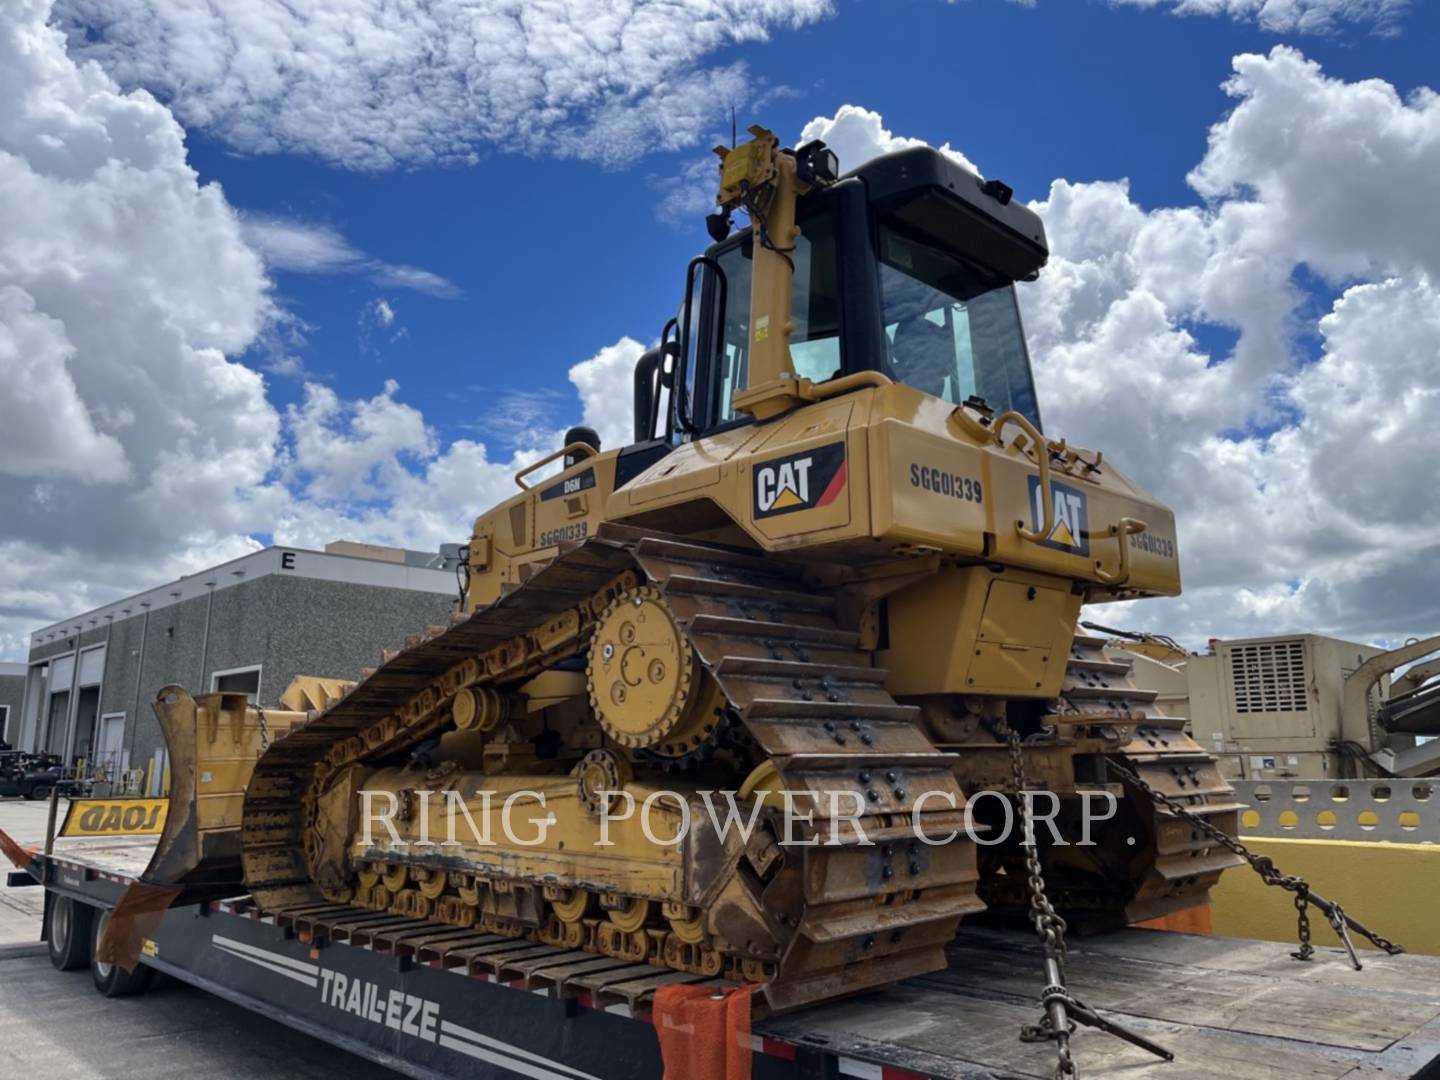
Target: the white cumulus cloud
(1261, 359)
(374, 83)
(374, 470)
(45, 428)
(1297, 16)
(134, 447)
(131, 444)
(857, 134)
(1297, 460)
(606, 383)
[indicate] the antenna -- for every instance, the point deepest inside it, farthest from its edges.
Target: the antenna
(732, 127)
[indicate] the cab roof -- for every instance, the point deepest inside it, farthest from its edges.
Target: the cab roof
(939, 198)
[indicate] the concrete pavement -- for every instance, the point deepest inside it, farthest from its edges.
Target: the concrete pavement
(20, 908)
(53, 1024)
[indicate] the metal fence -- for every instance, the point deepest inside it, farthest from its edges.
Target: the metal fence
(1407, 811)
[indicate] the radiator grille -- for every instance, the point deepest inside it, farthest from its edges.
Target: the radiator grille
(1268, 676)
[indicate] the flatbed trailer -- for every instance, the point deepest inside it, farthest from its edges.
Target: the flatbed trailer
(432, 1002)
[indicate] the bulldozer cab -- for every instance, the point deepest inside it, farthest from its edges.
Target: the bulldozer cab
(905, 266)
(848, 373)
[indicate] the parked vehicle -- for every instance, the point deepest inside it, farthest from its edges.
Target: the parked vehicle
(30, 776)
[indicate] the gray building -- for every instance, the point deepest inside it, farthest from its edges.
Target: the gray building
(249, 625)
(12, 697)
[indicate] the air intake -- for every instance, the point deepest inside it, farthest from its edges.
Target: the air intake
(1269, 676)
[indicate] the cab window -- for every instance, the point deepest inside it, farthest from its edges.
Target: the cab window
(950, 330)
(815, 312)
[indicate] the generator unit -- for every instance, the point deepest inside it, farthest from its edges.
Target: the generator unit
(1273, 707)
(1301, 706)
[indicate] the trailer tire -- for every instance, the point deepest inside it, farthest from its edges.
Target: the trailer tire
(69, 933)
(110, 979)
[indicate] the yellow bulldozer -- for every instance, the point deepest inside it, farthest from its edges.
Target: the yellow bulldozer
(831, 588)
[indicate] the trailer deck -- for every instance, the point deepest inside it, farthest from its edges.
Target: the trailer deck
(385, 987)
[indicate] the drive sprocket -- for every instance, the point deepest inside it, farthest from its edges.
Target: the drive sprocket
(647, 689)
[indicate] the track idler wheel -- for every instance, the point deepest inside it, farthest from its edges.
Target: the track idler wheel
(430, 882)
(370, 890)
(685, 923)
(469, 889)
(600, 778)
(483, 708)
(563, 935)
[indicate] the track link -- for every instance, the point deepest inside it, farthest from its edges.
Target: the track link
(1172, 865)
(864, 914)
(853, 914)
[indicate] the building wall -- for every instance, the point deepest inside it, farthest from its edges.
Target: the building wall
(168, 643)
(12, 698)
(79, 639)
(285, 624)
(86, 637)
(122, 662)
(336, 630)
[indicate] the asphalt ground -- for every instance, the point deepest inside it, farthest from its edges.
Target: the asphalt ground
(53, 1024)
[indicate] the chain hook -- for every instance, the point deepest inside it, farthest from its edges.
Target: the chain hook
(1061, 1010)
(1271, 875)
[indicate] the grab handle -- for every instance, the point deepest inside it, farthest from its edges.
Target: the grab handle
(1126, 528)
(573, 448)
(1042, 458)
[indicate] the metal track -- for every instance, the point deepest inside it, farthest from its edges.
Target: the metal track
(1172, 866)
(525, 965)
(276, 835)
(858, 914)
(811, 697)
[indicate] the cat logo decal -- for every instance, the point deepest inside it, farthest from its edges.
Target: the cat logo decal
(800, 481)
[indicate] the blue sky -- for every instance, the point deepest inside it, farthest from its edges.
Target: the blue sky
(555, 258)
(1241, 309)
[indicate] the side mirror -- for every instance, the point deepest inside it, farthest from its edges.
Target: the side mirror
(681, 392)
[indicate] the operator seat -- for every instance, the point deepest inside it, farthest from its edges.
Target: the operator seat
(923, 355)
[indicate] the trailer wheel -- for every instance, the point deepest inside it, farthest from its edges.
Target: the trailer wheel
(110, 979)
(68, 932)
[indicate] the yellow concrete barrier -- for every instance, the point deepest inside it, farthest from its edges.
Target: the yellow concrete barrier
(1391, 888)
